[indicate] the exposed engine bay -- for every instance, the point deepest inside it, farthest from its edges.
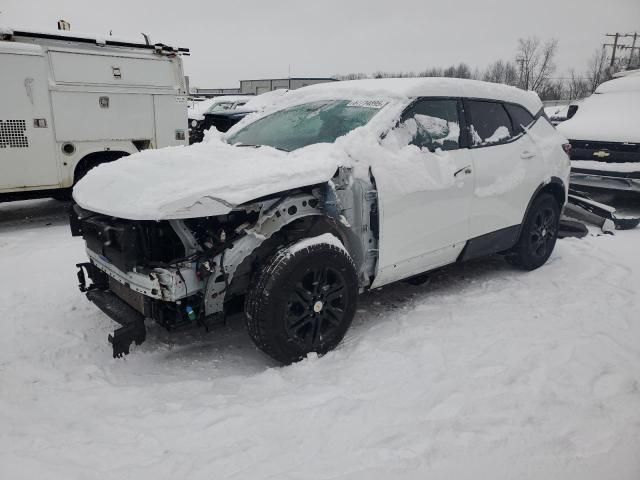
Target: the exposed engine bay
(189, 272)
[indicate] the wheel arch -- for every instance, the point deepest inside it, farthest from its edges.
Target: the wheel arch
(95, 158)
(556, 187)
(282, 225)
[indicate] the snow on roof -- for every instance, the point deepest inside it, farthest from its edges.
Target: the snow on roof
(628, 83)
(260, 102)
(422, 87)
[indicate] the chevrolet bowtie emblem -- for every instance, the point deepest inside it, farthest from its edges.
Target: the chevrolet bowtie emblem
(601, 154)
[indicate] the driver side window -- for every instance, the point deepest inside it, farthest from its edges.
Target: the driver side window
(436, 124)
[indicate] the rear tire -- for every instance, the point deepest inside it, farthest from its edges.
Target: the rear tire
(303, 300)
(538, 235)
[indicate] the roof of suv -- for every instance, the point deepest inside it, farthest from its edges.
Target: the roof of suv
(423, 87)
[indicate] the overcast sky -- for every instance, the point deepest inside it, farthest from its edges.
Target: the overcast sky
(233, 40)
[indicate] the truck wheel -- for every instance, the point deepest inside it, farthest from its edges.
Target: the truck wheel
(303, 300)
(539, 234)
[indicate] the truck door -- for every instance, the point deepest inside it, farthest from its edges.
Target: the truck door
(27, 148)
(424, 193)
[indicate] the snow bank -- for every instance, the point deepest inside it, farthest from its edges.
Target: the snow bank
(486, 372)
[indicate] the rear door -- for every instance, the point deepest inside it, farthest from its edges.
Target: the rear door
(424, 189)
(506, 163)
(27, 151)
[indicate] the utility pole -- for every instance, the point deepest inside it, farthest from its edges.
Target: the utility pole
(633, 49)
(615, 46)
(619, 45)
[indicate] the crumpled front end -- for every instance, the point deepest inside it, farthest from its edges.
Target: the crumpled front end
(196, 271)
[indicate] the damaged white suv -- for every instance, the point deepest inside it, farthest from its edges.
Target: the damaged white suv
(347, 186)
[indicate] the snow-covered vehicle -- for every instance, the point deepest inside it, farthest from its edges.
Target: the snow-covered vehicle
(223, 119)
(343, 188)
(605, 138)
(197, 111)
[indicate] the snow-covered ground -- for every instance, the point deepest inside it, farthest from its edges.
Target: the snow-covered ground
(485, 372)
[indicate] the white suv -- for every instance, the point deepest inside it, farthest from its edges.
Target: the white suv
(347, 186)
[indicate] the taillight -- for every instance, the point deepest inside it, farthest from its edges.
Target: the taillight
(567, 148)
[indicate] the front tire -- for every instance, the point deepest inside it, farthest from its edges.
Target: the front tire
(539, 234)
(302, 301)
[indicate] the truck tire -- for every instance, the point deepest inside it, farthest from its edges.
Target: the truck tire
(538, 235)
(303, 300)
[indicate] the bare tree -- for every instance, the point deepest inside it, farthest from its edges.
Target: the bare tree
(597, 69)
(535, 62)
(431, 72)
(501, 72)
(577, 87)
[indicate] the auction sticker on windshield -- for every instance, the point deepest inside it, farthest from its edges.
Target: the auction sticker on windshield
(367, 103)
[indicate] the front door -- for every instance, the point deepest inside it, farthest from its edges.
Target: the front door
(424, 190)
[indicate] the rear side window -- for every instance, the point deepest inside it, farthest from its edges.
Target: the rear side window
(437, 124)
(520, 116)
(490, 123)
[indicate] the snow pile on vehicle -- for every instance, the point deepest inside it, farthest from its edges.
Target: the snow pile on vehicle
(200, 180)
(327, 238)
(198, 109)
(611, 117)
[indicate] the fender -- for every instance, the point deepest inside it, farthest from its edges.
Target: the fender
(276, 216)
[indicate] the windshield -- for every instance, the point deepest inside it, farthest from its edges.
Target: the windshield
(302, 125)
(220, 106)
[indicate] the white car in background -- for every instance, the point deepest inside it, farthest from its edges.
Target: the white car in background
(605, 138)
(341, 188)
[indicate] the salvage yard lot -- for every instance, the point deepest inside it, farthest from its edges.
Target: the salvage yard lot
(483, 372)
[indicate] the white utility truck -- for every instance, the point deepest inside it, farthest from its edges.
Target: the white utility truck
(70, 102)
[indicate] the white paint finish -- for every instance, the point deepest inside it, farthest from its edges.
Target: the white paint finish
(79, 117)
(425, 227)
(98, 70)
(170, 115)
(508, 175)
(24, 96)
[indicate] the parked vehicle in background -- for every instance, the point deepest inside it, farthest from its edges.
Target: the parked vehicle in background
(605, 138)
(197, 111)
(71, 102)
(224, 119)
(341, 188)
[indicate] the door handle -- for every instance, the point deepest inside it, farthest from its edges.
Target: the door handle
(527, 154)
(464, 170)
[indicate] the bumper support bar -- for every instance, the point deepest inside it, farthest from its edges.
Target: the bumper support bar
(132, 321)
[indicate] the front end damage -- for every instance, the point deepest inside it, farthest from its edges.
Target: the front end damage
(195, 272)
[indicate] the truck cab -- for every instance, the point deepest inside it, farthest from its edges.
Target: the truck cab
(71, 102)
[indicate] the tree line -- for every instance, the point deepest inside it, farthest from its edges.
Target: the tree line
(532, 68)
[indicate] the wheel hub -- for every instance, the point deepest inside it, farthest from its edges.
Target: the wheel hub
(317, 306)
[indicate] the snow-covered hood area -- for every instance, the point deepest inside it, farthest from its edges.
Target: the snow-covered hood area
(201, 180)
(606, 117)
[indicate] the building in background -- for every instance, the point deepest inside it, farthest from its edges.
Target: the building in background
(256, 87)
